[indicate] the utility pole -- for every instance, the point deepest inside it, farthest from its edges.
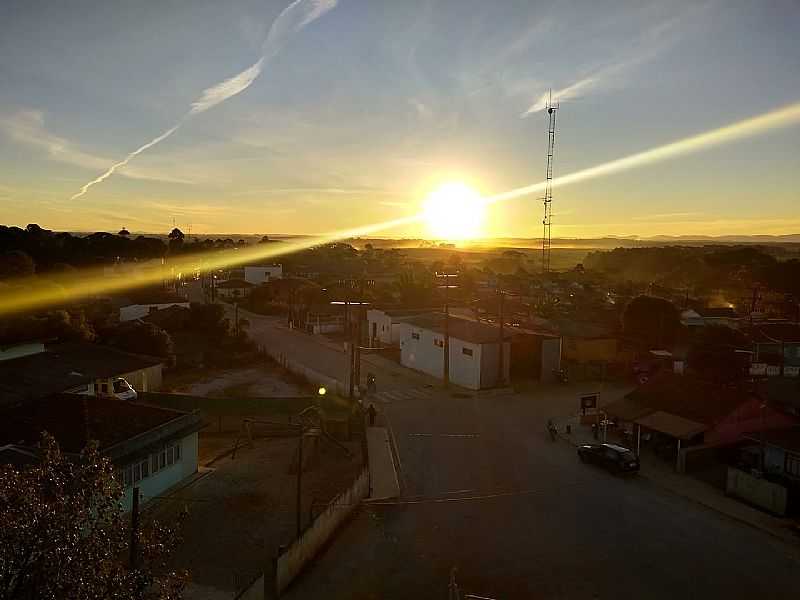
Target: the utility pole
(446, 286)
(298, 502)
(134, 545)
(354, 349)
(236, 319)
(501, 372)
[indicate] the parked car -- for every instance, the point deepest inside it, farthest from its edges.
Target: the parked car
(617, 459)
(123, 390)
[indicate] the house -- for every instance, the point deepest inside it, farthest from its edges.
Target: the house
(590, 350)
(781, 452)
(724, 316)
(262, 274)
(137, 311)
(234, 289)
(384, 325)
(776, 349)
(324, 318)
(80, 368)
(475, 350)
(692, 318)
(692, 411)
(152, 448)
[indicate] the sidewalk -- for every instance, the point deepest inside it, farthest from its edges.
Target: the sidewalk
(383, 475)
(663, 475)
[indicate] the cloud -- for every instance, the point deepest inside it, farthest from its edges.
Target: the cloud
(291, 20)
(28, 127)
(423, 110)
(662, 216)
(317, 190)
(651, 43)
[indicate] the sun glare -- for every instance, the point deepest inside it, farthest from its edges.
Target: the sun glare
(454, 211)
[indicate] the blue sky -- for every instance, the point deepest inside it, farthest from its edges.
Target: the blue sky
(374, 103)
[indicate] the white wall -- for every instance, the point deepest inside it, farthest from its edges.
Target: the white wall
(156, 485)
(424, 355)
(137, 311)
(383, 327)
(258, 275)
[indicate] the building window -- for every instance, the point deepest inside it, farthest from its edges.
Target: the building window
(793, 464)
(414, 336)
(466, 351)
(438, 343)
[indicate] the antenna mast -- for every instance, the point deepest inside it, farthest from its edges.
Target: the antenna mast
(548, 193)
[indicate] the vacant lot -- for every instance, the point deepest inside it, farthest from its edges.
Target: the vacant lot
(244, 509)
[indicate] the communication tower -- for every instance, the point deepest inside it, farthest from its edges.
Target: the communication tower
(547, 220)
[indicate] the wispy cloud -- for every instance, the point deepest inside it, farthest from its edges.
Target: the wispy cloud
(423, 110)
(28, 127)
(646, 47)
(662, 216)
(291, 20)
(316, 190)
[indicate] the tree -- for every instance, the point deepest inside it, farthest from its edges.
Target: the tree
(63, 534)
(124, 233)
(654, 321)
(175, 240)
(713, 354)
(16, 263)
(141, 338)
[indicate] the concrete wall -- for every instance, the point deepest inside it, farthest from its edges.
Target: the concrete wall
(425, 355)
(769, 496)
(291, 563)
(158, 483)
(490, 363)
(383, 326)
(146, 380)
(259, 275)
(21, 350)
(551, 359)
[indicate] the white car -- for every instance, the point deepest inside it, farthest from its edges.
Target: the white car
(123, 390)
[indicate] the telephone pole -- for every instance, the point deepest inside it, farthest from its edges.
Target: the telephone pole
(501, 371)
(446, 364)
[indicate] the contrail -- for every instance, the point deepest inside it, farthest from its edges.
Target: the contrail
(292, 19)
(29, 293)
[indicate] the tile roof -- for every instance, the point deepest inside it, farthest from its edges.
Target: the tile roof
(62, 367)
(235, 284)
(689, 397)
(460, 329)
(74, 419)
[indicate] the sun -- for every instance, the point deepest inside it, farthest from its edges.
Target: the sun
(454, 211)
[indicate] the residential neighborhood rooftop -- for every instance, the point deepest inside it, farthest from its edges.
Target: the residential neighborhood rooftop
(73, 420)
(64, 366)
(462, 329)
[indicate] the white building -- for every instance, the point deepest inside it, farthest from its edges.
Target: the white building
(137, 311)
(474, 350)
(234, 289)
(383, 326)
(262, 274)
(151, 448)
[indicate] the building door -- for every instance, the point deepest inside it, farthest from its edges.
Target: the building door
(374, 334)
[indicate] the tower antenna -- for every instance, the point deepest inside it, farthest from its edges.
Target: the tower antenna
(547, 220)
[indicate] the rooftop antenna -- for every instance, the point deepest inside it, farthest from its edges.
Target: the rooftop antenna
(547, 220)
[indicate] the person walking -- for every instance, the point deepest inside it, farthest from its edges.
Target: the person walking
(371, 413)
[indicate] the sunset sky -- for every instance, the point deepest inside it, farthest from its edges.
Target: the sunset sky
(364, 109)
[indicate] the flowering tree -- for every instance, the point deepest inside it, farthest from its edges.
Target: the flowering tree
(63, 534)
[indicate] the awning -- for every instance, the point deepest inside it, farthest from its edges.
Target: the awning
(670, 424)
(626, 409)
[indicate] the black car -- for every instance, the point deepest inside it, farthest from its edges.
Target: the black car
(617, 459)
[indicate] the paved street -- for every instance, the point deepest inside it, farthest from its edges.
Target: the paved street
(520, 517)
(484, 490)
